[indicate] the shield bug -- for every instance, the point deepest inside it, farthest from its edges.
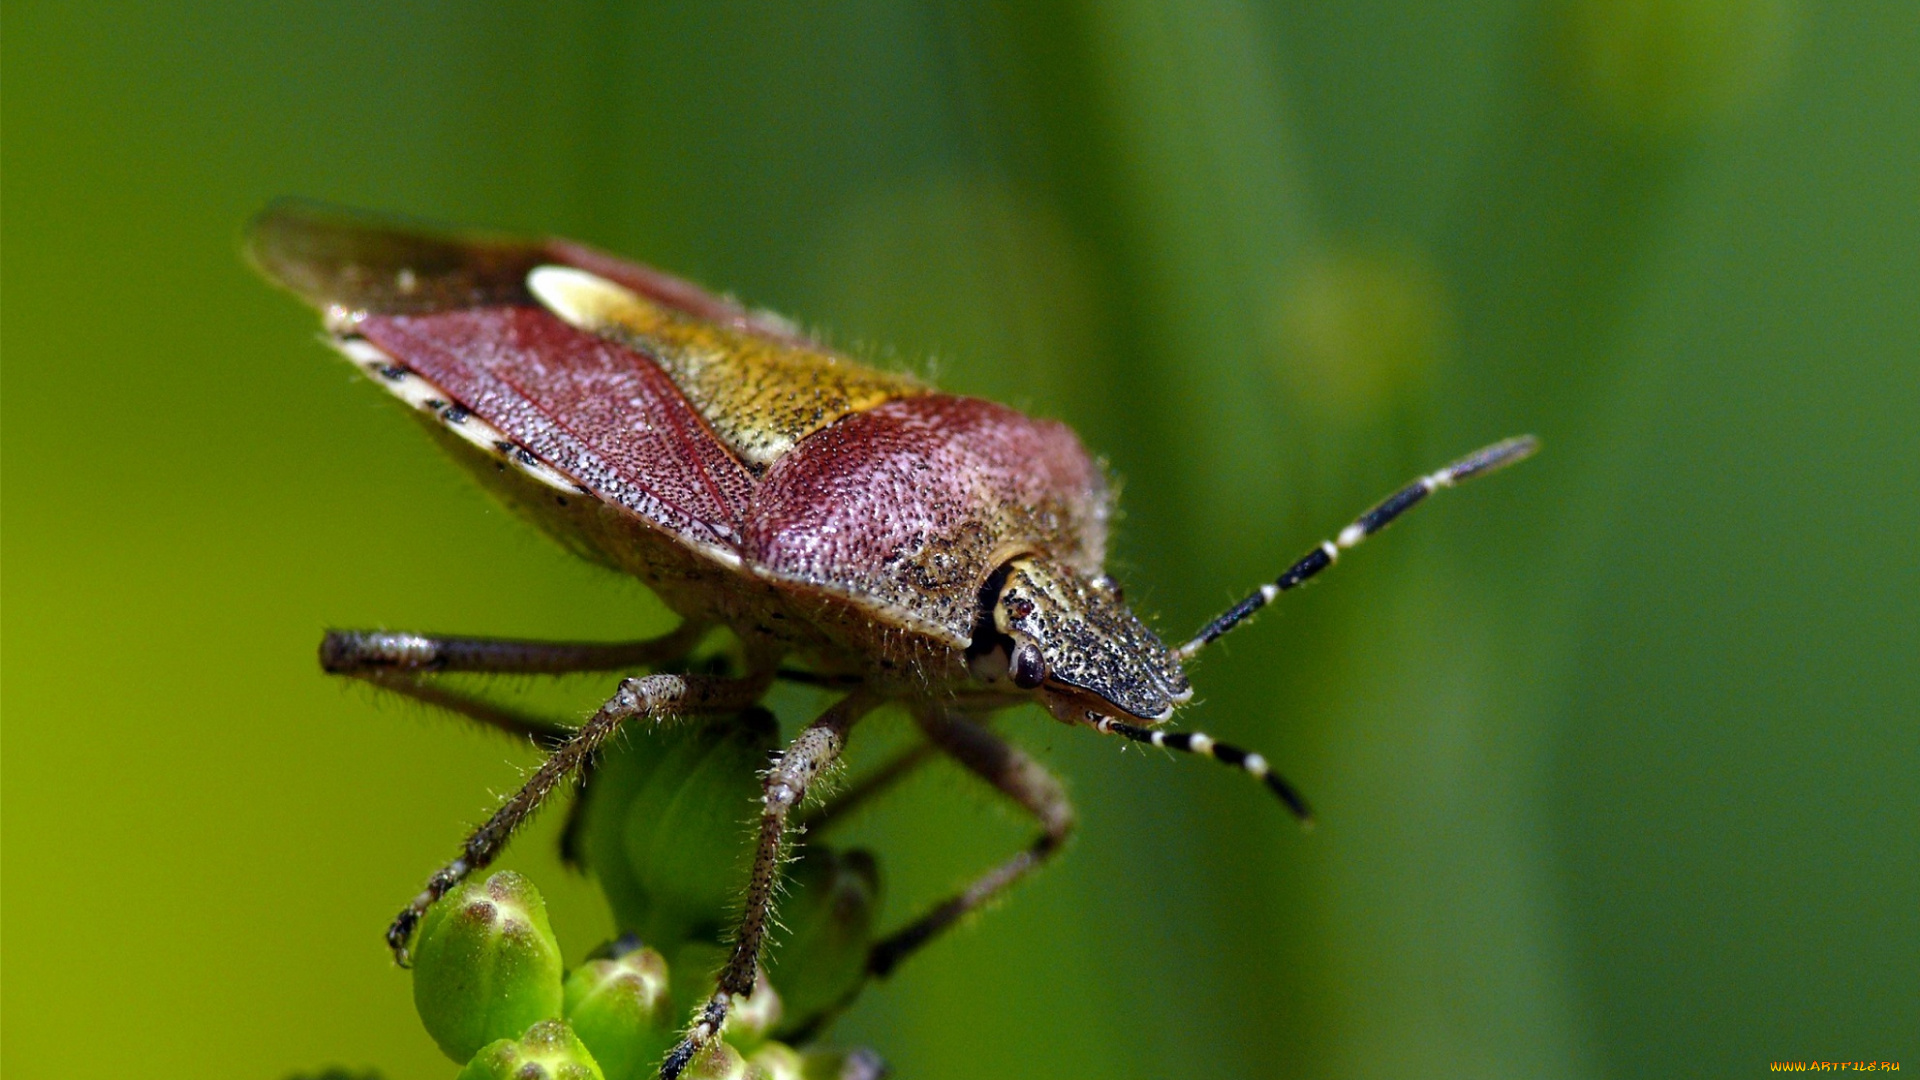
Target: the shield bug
(901, 544)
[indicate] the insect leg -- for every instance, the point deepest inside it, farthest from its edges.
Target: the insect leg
(1016, 776)
(355, 652)
(543, 733)
(1480, 462)
(652, 697)
(825, 815)
(785, 785)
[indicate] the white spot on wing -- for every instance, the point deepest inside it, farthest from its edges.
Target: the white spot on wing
(586, 301)
(362, 352)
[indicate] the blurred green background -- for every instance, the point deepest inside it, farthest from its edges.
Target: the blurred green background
(1617, 755)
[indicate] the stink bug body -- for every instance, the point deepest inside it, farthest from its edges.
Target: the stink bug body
(905, 545)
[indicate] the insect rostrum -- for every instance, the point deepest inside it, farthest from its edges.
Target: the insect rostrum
(942, 552)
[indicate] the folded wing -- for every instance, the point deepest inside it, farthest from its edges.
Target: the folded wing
(452, 311)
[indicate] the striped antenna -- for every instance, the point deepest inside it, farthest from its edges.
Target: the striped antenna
(1193, 742)
(1478, 463)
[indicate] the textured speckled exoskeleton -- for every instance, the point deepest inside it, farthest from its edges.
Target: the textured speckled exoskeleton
(900, 544)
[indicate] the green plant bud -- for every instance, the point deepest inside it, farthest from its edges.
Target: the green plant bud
(722, 1062)
(619, 1008)
(486, 965)
(821, 960)
(548, 1051)
(754, 1016)
(667, 826)
(777, 1061)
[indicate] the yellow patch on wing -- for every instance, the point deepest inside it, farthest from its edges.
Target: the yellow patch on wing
(760, 396)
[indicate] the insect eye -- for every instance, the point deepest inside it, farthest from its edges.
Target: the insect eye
(1018, 606)
(1027, 669)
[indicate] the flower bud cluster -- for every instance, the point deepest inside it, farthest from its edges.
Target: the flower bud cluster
(665, 833)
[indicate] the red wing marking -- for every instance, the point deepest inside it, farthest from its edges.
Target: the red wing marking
(908, 505)
(602, 414)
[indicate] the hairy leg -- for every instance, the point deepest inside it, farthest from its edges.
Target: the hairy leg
(826, 815)
(404, 664)
(1018, 777)
(651, 698)
(811, 752)
(546, 734)
(1014, 775)
(357, 652)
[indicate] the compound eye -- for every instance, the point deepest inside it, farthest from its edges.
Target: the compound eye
(1027, 669)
